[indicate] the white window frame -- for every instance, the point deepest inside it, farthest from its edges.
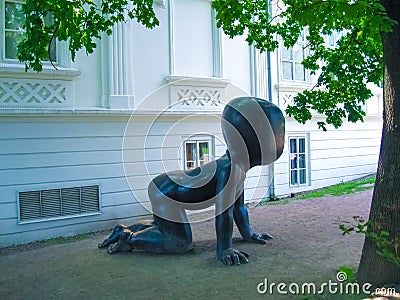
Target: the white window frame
(3, 36)
(297, 157)
(301, 42)
(332, 39)
(197, 140)
(4, 29)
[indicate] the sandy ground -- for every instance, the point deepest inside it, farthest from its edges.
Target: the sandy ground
(308, 247)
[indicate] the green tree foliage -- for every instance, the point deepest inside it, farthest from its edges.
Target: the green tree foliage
(80, 22)
(343, 70)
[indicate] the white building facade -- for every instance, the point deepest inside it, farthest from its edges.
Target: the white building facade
(80, 144)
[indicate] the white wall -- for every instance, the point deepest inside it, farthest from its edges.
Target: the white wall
(53, 152)
(150, 56)
(336, 155)
(61, 151)
(88, 87)
(236, 62)
(192, 38)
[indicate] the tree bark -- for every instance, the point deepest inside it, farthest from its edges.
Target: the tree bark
(385, 207)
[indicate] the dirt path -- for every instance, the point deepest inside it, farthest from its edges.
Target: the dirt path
(308, 247)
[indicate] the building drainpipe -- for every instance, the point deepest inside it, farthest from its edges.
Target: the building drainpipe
(271, 190)
(255, 91)
(271, 170)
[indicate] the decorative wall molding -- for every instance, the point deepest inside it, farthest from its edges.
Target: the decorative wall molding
(196, 93)
(120, 67)
(291, 87)
(35, 93)
(196, 99)
(199, 97)
(285, 99)
(197, 81)
(217, 46)
(17, 71)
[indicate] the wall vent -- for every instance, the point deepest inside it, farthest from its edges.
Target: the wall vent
(58, 203)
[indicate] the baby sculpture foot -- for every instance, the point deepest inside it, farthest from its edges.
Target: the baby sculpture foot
(123, 244)
(260, 238)
(114, 236)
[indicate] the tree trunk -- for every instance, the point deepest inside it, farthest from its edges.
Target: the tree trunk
(385, 207)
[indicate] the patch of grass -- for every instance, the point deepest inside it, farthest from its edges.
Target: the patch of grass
(340, 189)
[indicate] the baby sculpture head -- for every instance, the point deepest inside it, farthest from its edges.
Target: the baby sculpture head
(254, 131)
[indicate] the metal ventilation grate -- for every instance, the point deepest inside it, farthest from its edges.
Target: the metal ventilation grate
(54, 203)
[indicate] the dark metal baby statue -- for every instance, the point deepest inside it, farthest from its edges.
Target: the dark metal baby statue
(254, 131)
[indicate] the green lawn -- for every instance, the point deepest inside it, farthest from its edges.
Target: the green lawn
(334, 190)
(340, 189)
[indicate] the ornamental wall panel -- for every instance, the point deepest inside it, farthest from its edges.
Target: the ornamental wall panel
(194, 98)
(21, 93)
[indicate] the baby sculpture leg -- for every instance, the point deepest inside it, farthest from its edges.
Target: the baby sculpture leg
(115, 235)
(160, 236)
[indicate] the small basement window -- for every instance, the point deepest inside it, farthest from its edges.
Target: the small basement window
(58, 203)
(197, 150)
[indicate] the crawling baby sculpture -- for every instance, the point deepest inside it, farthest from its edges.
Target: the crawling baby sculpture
(254, 131)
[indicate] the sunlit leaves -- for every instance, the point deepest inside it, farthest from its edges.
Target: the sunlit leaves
(343, 70)
(80, 22)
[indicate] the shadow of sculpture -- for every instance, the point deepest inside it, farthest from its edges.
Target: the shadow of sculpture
(254, 131)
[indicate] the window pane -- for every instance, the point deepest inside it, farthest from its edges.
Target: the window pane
(203, 149)
(303, 176)
(11, 43)
(300, 72)
(287, 70)
(299, 54)
(301, 37)
(293, 148)
(190, 151)
(204, 153)
(49, 21)
(13, 22)
(53, 51)
(190, 165)
(14, 17)
(293, 161)
(293, 177)
(302, 160)
(302, 145)
(331, 40)
(287, 54)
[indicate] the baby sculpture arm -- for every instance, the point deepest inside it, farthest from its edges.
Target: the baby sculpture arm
(242, 221)
(224, 221)
(224, 225)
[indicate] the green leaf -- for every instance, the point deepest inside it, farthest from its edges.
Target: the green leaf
(348, 271)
